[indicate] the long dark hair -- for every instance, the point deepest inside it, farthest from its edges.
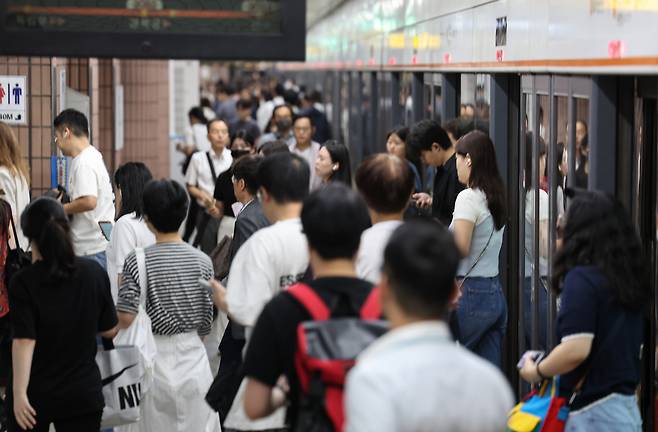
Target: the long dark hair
(484, 172)
(599, 232)
(131, 178)
(45, 223)
(341, 156)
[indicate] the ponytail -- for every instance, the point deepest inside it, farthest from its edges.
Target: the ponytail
(56, 248)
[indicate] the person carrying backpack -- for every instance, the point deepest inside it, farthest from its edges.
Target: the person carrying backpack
(278, 369)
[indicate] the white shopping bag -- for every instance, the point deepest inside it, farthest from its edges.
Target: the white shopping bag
(122, 375)
(140, 333)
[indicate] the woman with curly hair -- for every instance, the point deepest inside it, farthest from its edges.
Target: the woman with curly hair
(601, 274)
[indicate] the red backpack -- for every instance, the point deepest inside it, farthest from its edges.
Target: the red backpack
(326, 350)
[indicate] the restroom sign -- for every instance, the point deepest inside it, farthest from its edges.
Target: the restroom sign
(13, 99)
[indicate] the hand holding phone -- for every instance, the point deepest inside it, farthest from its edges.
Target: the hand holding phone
(535, 356)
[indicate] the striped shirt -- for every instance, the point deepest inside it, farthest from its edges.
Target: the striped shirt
(175, 301)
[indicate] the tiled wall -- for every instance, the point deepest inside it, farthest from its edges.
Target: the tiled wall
(146, 110)
(35, 138)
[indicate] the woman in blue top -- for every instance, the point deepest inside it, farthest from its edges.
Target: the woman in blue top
(478, 224)
(601, 274)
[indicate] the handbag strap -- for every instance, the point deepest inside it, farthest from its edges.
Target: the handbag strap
(141, 270)
(470, 270)
(13, 227)
(212, 167)
(579, 386)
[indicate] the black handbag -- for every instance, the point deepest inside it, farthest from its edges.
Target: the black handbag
(16, 258)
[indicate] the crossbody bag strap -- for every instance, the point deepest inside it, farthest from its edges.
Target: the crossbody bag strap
(470, 270)
(579, 386)
(141, 270)
(13, 227)
(212, 167)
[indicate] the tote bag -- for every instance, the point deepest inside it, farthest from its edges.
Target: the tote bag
(140, 333)
(122, 376)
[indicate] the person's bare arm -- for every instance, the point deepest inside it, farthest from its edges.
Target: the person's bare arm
(22, 353)
(80, 205)
(463, 231)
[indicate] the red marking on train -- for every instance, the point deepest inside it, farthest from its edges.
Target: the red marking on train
(616, 49)
(392, 61)
(499, 55)
(414, 59)
(447, 58)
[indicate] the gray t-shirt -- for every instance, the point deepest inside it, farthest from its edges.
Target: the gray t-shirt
(471, 205)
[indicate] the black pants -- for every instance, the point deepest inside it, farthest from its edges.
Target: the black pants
(84, 423)
(230, 372)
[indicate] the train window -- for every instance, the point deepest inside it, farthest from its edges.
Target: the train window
(405, 100)
(474, 99)
(385, 109)
(346, 101)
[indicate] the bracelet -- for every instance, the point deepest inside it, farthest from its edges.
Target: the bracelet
(539, 374)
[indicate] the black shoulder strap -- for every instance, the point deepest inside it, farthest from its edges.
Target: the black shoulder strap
(212, 167)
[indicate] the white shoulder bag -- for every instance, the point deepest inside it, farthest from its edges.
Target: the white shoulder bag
(140, 332)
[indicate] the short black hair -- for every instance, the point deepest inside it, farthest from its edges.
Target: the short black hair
(246, 168)
(276, 146)
(386, 183)
(285, 176)
(165, 204)
(197, 113)
(420, 261)
(426, 132)
(400, 131)
(74, 120)
(244, 104)
(303, 116)
(333, 219)
(244, 136)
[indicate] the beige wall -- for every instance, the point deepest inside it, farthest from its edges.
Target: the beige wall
(146, 110)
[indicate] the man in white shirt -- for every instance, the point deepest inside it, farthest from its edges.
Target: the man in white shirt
(305, 147)
(90, 189)
(271, 260)
(201, 177)
(386, 184)
(415, 378)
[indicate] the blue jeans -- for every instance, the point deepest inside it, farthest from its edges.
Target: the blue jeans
(528, 310)
(616, 412)
(482, 316)
(100, 258)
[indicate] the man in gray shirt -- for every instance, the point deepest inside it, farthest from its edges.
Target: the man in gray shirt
(415, 378)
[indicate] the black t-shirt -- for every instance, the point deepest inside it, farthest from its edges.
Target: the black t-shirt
(64, 318)
(446, 189)
(587, 308)
(224, 191)
(273, 343)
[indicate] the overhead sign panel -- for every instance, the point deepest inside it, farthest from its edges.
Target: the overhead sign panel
(13, 100)
(228, 29)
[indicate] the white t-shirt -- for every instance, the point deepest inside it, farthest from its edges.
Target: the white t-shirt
(89, 177)
(370, 258)
(309, 154)
(271, 260)
(530, 229)
(128, 233)
(17, 194)
(199, 173)
(200, 137)
(471, 205)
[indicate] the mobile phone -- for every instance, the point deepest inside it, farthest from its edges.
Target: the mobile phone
(106, 229)
(536, 356)
(206, 284)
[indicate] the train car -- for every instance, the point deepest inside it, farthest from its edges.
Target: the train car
(580, 76)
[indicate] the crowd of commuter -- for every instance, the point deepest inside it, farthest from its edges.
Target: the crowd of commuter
(272, 239)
